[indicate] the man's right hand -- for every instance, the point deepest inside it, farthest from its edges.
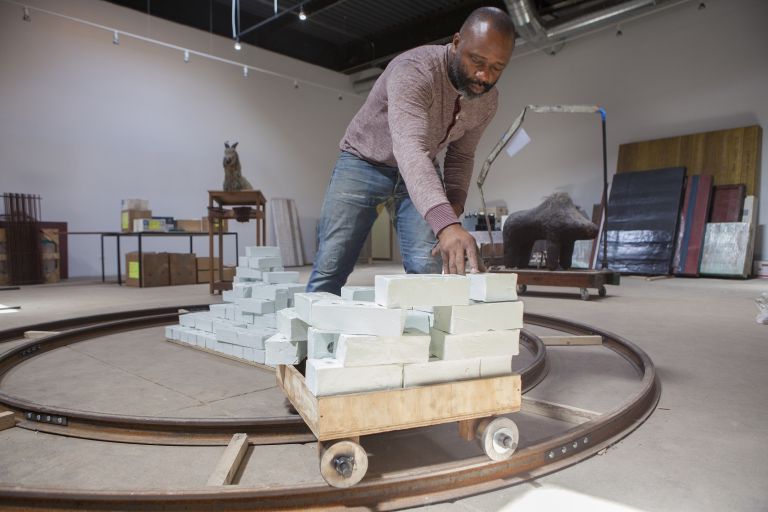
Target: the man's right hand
(454, 244)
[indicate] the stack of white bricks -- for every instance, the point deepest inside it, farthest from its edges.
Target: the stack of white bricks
(410, 330)
(247, 325)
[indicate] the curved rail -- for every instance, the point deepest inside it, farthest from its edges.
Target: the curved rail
(164, 430)
(428, 484)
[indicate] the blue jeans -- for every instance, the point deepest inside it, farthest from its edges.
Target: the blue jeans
(357, 187)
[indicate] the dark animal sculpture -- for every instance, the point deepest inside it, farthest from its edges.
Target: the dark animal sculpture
(233, 177)
(558, 221)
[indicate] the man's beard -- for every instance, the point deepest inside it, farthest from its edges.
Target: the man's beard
(461, 80)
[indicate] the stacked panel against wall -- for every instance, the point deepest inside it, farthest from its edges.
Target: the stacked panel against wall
(693, 222)
(643, 210)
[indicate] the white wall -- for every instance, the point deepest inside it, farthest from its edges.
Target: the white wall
(85, 123)
(672, 73)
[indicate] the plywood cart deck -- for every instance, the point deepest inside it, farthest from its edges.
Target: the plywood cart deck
(338, 421)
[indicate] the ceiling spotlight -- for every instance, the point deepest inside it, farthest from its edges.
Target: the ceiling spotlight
(26, 16)
(245, 71)
(295, 84)
(238, 46)
(116, 37)
(341, 97)
(619, 33)
(702, 6)
(302, 14)
(186, 55)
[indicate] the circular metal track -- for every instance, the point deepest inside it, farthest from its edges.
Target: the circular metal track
(429, 484)
(164, 430)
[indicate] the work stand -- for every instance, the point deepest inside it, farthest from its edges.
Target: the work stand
(241, 206)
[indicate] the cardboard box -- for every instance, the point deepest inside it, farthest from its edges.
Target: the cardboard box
(190, 225)
(203, 261)
(150, 225)
(153, 268)
(204, 224)
(203, 276)
(128, 216)
(182, 268)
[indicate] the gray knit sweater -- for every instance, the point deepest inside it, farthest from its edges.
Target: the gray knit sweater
(408, 119)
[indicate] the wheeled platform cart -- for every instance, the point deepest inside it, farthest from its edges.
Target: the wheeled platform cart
(581, 279)
(338, 421)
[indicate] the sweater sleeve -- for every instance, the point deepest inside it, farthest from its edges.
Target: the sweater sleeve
(460, 162)
(410, 93)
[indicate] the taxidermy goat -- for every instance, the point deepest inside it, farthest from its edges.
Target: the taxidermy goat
(233, 177)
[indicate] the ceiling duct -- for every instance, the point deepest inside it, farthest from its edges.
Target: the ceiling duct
(530, 28)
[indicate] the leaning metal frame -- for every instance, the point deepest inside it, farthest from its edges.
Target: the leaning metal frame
(428, 484)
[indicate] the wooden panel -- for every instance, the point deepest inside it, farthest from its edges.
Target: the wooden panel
(731, 156)
(7, 420)
(553, 341)
(334, 417)
(230, 461)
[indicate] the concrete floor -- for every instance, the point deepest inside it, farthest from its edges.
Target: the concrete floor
(702, 449)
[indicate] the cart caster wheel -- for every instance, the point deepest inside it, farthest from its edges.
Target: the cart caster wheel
(602, 291)
(584, 294)
(521, 288)
(498, 437)
(343, 463)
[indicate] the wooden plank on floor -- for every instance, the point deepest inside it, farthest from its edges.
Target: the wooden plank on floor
(230, 461)
(557, 411)
(39, 334)
(7, 420)
(551, 341)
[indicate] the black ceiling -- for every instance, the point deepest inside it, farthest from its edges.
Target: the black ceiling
(343, 35)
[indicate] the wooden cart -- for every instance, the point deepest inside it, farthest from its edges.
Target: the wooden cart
(338, 421)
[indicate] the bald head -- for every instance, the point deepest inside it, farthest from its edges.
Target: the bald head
(483, 19)
(481, 51)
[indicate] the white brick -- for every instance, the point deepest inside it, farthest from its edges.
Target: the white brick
(475, 344)
(209, 342)
(241, 290)
(303, 303)
(321, 344)
(408, 290)
(262, 250)
(328, 377)
(482, 316)
(290, 325)
(236, 351)
(264, 321)
(169, 332)
(356, 350)
(285, 276)
(246, 280)
(259, 356)
(228, 296)
(493, 287)
(419, 320)
(437, 370)
(224, 348)
(495, 366)
(204, 322)
(292, 288)
(187, 320)
(357, 317)
(256, 306)
(267, 291)
(248, 354)
(227, 334)
(265, 263)
(242, 261)
(249, 273)
(230, 311)
(279, 350)
(218, 310)
(363, 293)
(253, 338)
